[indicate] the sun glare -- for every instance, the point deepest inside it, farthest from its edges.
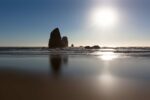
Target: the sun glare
(104, 17)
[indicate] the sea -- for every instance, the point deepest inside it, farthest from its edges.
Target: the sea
(108, 73)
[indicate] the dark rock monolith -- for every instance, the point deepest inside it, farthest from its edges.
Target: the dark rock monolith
(55, 39)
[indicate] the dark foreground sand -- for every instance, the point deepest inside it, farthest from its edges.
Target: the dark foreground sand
(19, 86)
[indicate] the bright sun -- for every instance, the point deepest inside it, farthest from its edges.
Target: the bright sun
(104, 17)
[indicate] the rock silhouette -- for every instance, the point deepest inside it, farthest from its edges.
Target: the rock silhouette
(87, 47)
(93, 47)
(72, 45)
(96, 47)
(56, 41)
(65, 41)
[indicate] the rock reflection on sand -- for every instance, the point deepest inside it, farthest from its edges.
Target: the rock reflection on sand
(56, 62)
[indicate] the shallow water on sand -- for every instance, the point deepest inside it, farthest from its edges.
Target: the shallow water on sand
(94, 76)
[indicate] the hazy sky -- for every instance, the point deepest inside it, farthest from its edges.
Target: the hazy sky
(29, 22)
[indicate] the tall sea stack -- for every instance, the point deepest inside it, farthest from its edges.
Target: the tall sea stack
(56, 41)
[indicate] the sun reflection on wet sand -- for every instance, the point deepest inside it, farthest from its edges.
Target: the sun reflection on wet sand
(108, 56)
(107, 82)
(106, 78)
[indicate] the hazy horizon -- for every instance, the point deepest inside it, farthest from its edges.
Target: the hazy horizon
(111, 23)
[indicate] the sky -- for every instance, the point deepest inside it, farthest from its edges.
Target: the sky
(29, 22)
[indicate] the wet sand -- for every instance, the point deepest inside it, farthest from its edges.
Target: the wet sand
(26, 87)
(74, 78)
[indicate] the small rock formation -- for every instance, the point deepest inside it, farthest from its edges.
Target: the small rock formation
(72, 45)
(87, 47)
(65, 41)
(96, 47)
(56, 41)
(93, 47)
